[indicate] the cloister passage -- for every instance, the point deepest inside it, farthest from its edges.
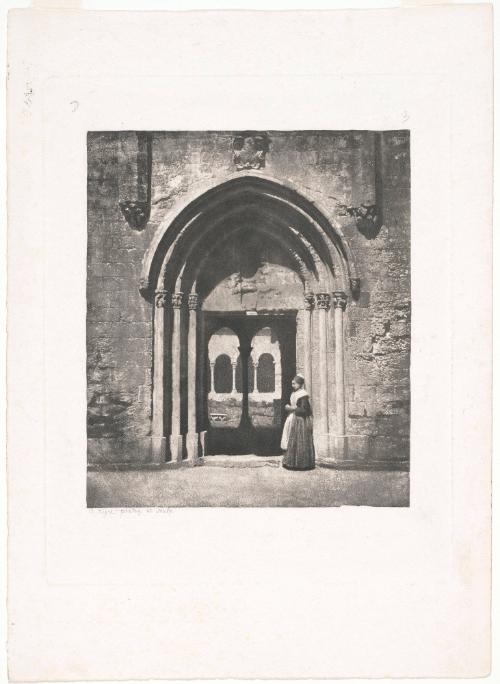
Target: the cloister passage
(249, 387)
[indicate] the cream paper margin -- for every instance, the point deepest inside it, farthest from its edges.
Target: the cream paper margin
(269, 593)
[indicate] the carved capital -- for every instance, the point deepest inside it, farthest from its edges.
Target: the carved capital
(177, 298)
(308, 301)
(340, 300)
(136, 213)
(193, 301)
(143, 286)
(161, 298)
(323, 301)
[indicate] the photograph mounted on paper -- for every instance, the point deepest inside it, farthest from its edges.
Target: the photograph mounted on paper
(248, 318)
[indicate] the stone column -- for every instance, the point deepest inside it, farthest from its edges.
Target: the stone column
(323, 304)
(192, 435)
(175, 435)
(254, 368)
(234, 365)
(159, 451)
(308, 307)
(244, 350)
(277, 376)
(212, 376)
(339, 303)
(202, 388)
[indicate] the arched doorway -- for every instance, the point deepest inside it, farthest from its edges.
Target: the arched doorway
(249, 253)
(248, 419)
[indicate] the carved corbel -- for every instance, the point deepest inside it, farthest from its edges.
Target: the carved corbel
(137, 211)
(355, 284)
(368, 215)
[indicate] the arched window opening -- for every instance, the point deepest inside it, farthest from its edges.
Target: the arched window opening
(223, 374)
(265, 373)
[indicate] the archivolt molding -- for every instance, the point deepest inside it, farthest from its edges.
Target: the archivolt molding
(221, 228)
(325, 275)
(202, 201)
(196, 269)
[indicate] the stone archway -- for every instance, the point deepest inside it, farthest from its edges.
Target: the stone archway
(241, 216)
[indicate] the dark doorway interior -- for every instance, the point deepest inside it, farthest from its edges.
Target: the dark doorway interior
(247, 437)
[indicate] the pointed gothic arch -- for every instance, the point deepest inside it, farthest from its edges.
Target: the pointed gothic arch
(316, 251)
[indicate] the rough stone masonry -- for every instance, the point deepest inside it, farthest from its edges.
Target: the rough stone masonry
(360, 178)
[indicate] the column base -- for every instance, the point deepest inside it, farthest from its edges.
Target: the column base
(158, 449)
(359, 447)
(202, 435)
(342, 448)
(338, 447)
(176, 448)
(322, 446)
(192, 448)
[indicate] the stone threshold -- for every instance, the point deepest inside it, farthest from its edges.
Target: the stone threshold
(248, 461)
(348, 464)
(242, 461)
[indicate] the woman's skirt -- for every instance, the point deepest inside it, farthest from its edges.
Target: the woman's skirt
(300, 448)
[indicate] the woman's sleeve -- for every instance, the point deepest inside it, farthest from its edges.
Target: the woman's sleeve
(303, 407)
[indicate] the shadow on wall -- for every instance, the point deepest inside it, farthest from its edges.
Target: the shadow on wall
(106, 415)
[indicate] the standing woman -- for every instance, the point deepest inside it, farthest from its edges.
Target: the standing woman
(297, 436)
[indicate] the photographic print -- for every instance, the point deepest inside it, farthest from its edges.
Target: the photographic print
(249, 276)
(248, 318)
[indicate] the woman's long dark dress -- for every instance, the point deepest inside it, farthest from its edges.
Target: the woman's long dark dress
(300, 450)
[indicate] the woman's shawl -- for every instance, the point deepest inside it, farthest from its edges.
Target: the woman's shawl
(298, 394)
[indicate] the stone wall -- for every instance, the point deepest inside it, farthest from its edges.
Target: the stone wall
(119, 320)
(341, 171)
(378, 327)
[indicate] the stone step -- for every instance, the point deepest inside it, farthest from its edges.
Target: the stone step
(242, 461)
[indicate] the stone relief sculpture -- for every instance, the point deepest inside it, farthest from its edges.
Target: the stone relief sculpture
(249, 150)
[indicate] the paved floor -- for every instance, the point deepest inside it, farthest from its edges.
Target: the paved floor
(267, 485)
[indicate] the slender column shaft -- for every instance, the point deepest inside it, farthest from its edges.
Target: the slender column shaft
(307, 365)
(158, 427)
(339, 302)
(175, 437)
(234, 365)
(245, 350)
(277, 377)
(212, 376)
(192, 440)
(323, 304)
(254, 367)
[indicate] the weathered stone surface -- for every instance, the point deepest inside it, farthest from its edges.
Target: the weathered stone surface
(330, 168)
